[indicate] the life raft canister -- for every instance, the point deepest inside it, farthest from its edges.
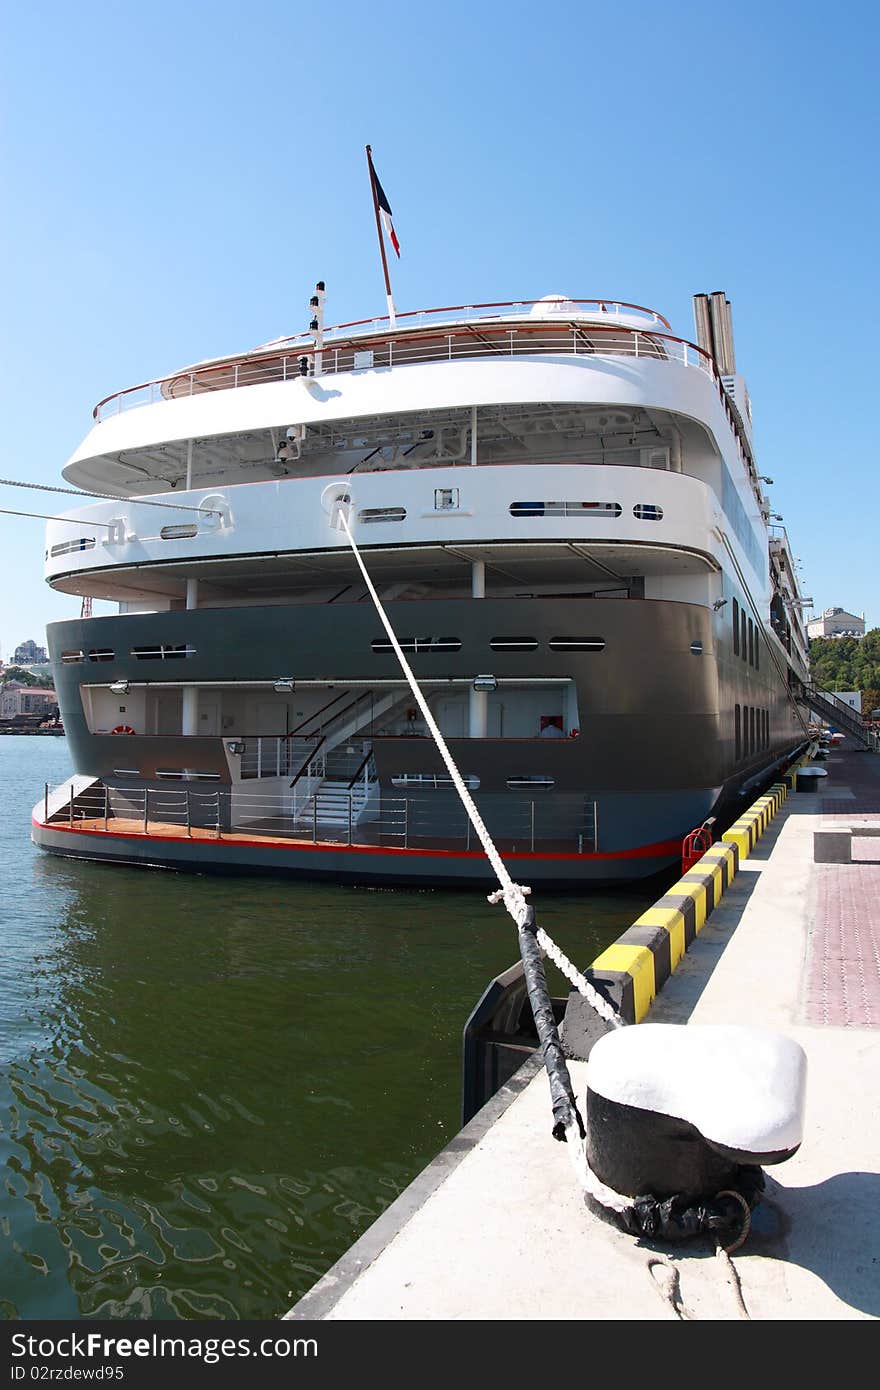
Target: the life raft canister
(122, 729)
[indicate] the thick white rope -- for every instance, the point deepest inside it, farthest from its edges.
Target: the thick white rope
(513, 895)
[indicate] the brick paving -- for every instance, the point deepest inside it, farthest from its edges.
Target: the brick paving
(843, 954)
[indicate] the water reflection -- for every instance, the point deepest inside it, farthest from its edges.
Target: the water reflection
(210, 1087)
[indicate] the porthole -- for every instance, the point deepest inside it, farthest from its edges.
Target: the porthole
(647, 511)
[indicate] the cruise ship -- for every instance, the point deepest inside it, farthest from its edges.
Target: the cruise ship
(559, 506)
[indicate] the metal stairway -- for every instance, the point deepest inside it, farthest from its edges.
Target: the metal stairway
(839, 714)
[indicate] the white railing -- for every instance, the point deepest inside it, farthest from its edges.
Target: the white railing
(493, 338)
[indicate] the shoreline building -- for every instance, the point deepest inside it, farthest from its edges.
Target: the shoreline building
(836, 622)
(17, 699)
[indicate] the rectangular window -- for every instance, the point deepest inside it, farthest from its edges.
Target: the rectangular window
(753, 747)
(418, 644)
(735, 628)
(164, 652)
(743, 638)
(751, 643)
(577, 644)
(737, 730)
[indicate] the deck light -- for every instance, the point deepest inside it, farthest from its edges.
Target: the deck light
(120, 687)
(485, 683)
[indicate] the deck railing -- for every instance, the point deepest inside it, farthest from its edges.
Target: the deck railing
(567, 822)
(494, 338)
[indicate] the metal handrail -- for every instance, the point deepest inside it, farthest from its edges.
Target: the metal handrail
(308, 762)
(363, 764)
(232, 373)
(305, 342)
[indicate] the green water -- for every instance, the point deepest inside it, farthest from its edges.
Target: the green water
(209, 1088)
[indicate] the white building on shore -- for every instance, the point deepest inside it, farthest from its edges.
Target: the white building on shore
(836, 622)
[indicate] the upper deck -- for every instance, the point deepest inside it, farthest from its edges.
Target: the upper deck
(546, 384)
(552, 324)
(554, 350)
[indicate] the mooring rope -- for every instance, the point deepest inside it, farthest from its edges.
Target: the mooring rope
(513, 895)
(101, 497)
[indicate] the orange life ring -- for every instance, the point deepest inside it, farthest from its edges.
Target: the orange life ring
(122, 729)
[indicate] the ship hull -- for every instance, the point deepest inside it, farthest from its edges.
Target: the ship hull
(652, 704)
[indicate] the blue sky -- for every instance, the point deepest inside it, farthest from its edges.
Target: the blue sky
(177, 177)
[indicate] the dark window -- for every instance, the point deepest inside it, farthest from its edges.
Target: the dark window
(735, 628)
(164, 652)
(531, 782)
(418, 644)
(513, 644)
(178, 533)
(612, 509)
(69, 547)
(751, 643)
(577, 644)
(697, 648)
(374, 514)
(101, 654)
(737, 732)
(752, 744)
(67, 658)
(647, 511)
(743, 639)
(757, 648)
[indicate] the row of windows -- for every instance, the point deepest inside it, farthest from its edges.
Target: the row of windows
(163, 652)
(751, 730)
(497, 644)
(642, 511)
(167, 652)
(746, 637)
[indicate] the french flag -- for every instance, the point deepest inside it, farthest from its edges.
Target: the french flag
(384, 211)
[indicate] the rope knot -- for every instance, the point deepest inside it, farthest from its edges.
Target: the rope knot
(514, 898)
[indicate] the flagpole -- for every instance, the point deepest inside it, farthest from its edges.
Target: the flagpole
(391, 314)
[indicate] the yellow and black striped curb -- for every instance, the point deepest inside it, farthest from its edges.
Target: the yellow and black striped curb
(631, 971)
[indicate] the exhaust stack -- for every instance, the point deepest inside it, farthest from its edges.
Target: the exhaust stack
(714, 330)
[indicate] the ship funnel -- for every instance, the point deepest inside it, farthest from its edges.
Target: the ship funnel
(714, 329)
(703, 324)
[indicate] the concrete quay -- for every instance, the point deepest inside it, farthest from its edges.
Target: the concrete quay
(496, 1227)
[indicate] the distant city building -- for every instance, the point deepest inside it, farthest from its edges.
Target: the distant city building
(16, 699)
(28, 652)
(836, 622)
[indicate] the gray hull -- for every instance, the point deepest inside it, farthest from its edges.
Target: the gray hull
(655, 755)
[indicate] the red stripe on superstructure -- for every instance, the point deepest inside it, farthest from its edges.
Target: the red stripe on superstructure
(662, 847)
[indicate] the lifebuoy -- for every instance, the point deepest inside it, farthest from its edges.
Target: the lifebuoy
(122, 729)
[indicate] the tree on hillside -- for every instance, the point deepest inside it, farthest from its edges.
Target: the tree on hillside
(845, 663)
